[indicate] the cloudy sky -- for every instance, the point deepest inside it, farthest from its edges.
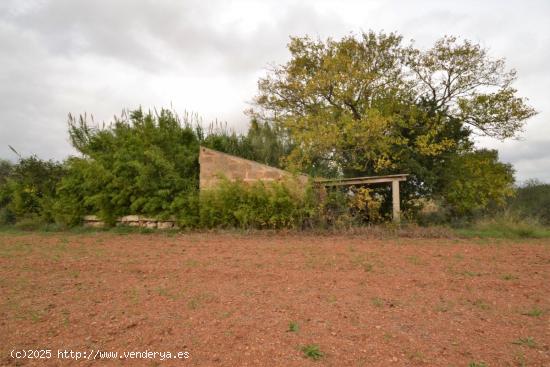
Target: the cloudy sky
(98, 57)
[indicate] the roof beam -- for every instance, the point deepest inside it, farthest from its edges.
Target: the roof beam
(361, 180)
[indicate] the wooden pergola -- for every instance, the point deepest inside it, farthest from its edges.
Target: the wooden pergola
(354, 181)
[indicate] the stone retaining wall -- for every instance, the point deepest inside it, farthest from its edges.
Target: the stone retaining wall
(131, 221)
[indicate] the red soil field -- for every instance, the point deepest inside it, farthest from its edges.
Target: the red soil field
(259, 299)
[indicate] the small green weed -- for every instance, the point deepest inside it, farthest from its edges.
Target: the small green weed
(520, 359)
(534, 312)
(312, 351)
(226, 314)
(191, 263)
(471, 273)
(526, 342)
(293, 327)
(35, 316)
(65, 317)
(195, 302)
(134, 295)
(165, 292)
(509, 277)
(361, 262)
(415, 356)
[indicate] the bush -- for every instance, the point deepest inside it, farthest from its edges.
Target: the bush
(186, 205)
(476, 182)
(258, 205)
(334, 210)
(6, 216)
(142, 163)
(506, 225)
(147, 164)
(532, 200)
(352, 206)
(29, 190)
(30, 223)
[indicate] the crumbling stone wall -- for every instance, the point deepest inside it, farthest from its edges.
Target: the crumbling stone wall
(214, 163)
(131, 221)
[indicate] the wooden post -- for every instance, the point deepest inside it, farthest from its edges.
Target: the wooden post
(395, 201)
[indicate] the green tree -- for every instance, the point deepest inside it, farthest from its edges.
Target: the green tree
(372, 105)
(263, 142)
(6, 167)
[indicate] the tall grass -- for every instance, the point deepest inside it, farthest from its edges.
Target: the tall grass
(508, 224)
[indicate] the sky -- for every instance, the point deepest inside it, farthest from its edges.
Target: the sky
(100, 57)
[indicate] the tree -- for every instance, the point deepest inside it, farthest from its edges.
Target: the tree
(461, 81)
(262, 143)
(372, 105)
(6, 167)
(332, 98)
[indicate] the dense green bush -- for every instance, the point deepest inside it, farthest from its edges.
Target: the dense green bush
(259, 205)
(475, 182)
(147, 163)
(28, 190)
(143, 163)
(532, 200)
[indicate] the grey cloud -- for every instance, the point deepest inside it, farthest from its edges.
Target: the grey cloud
(154, 35)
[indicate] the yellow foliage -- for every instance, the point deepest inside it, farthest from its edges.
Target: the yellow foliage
(365, 201)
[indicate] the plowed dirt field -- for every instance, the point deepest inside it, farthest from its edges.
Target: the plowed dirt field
(265, 299)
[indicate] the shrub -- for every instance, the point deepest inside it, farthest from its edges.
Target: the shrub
(142, 163)
(532, 200)
(334, 209)
(476, 181)
(29, 190)
(30, 223)
(506, 225)
(6, 216)
(258, 205)
(351, 206)
(147, 164)
(366, 204)
(186, 207)
(312, 351)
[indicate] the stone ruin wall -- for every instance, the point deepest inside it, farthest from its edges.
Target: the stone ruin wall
(214, 163)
